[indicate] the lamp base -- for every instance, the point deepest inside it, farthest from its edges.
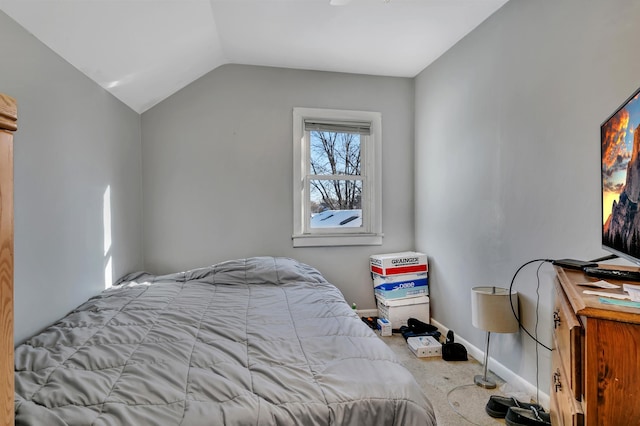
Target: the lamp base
(484, 382)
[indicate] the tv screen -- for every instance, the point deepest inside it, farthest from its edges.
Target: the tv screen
(620, 149)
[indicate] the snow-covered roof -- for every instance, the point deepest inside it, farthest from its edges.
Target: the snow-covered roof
(337, 218)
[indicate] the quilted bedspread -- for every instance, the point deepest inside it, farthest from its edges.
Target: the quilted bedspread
(259, 341)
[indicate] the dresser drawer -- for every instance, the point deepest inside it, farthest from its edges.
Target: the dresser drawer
(565, 409)
(568, 334)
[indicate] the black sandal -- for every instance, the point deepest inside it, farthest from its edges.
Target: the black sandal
(499, 405)
(527, 417)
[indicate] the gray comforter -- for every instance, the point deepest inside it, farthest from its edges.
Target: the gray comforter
(260, 341)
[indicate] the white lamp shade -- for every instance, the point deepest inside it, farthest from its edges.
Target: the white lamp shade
(491, 309)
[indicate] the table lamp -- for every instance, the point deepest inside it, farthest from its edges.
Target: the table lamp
(491, 311)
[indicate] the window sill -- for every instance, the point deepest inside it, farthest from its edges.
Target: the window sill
(337, 240)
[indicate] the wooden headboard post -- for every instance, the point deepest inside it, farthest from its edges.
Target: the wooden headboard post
(8, 125)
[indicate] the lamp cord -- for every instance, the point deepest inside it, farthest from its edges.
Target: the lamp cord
(455, 410)
(515, 314)
(513, 310)
(536, 330)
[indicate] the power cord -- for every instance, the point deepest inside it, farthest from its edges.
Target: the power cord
(536, 330)
(454, 408)
(515, 314)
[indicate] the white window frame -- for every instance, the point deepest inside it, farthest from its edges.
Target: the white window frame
(371, 154)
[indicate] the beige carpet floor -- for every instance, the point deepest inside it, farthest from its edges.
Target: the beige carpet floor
(449, 386)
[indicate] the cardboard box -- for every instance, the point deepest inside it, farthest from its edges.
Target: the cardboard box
(385, 327)
(398, 311)
(400, 286)
(406, 262)
(424, 346)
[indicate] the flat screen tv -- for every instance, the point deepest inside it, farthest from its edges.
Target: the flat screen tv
(620, 154)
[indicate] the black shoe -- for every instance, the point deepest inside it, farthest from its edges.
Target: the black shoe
(527, 417)
(418, 326)
(499, 405)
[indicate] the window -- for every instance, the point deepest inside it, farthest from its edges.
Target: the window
(336, 177)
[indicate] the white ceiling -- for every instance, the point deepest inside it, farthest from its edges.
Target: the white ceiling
(143, 51)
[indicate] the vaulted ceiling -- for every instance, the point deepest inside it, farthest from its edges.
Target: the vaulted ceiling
(143, 51)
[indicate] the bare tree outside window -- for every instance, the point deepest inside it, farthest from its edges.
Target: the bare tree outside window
(337, 186)
(335, 161)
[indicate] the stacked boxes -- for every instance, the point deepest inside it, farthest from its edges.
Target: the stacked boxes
(400, 283)
(399, 275)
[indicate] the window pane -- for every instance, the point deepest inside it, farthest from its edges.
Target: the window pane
(335, 203)
(335, 153)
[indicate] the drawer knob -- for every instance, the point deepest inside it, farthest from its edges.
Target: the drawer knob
(556, 319)
(556, 381)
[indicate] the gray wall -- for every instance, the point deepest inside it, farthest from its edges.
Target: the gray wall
(73, 141)
(217, 170)
(508, 145)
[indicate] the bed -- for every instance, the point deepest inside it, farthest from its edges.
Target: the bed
(258, 341)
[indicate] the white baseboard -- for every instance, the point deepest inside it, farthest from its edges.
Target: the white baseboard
(497, 368)
(367, 312)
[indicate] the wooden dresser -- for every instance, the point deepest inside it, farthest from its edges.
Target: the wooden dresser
(8, 124)
(596, 357)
